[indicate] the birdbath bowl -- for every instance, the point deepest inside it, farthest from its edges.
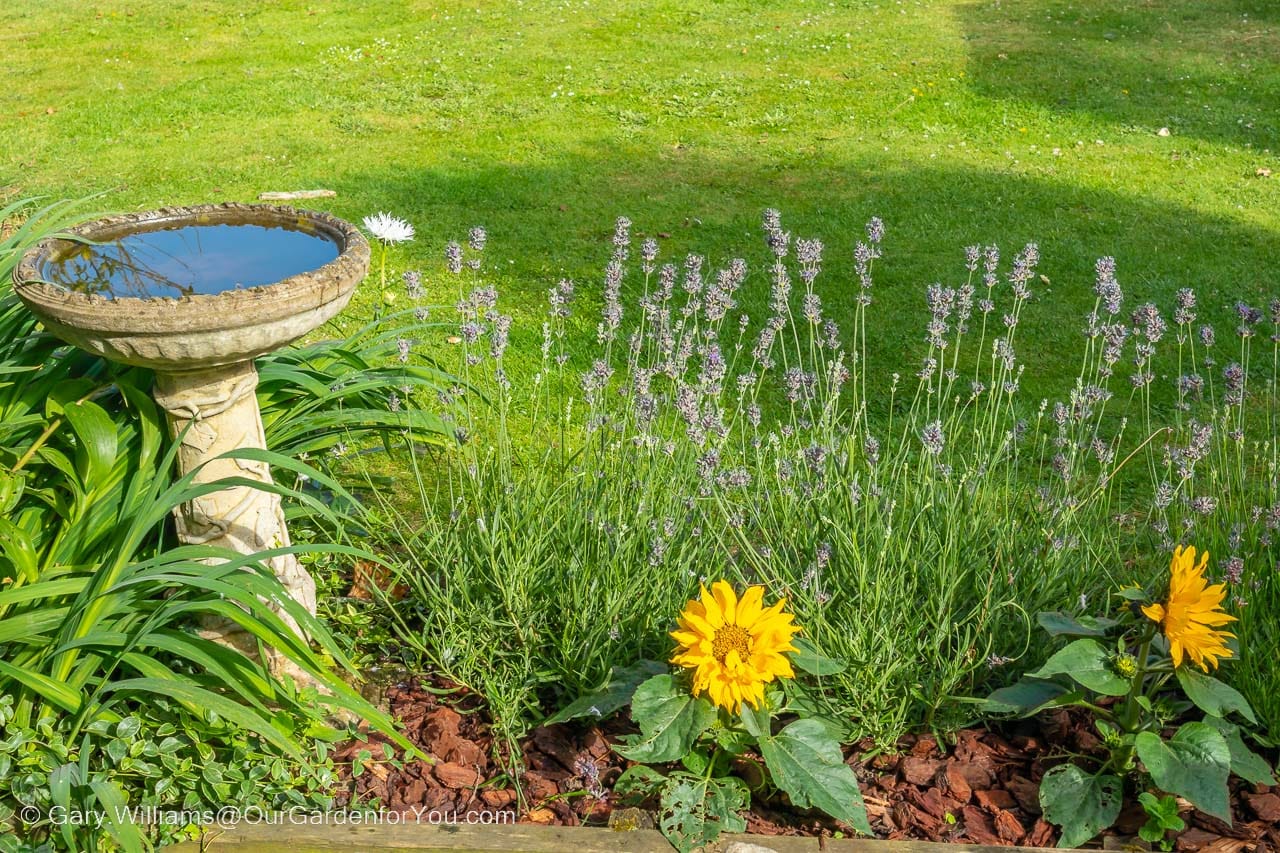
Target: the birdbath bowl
(196, 293)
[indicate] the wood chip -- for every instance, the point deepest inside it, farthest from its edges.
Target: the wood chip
(951, 778)
(1265, 806)
(996, 798)
(455, 775)
(919, 771)
(542, 816)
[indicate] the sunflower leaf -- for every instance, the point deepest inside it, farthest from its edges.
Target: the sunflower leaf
(670, 721)
(639, 779)
(1061, 625)
(1087, 662)
(757, 721)
(695, 811)
(808, 658)
(806, 762)
(1194, 763)
(1081, 803)
(1212, 696)
(1026, 697)
(612, 695)
(1245, 763)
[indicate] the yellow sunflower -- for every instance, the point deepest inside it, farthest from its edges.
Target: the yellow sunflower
(734, 646)
(1192, 612)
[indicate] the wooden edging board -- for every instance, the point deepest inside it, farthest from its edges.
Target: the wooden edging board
(524, 838)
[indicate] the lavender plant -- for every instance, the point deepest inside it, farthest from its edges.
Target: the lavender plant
(912, 524)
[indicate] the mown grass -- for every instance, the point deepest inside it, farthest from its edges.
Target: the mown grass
(956, 122)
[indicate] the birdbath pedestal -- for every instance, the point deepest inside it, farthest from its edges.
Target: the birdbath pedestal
(196, 294)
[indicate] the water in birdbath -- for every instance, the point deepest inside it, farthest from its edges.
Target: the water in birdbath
(188, 260)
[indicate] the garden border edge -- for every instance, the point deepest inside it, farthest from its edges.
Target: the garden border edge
(525, 838)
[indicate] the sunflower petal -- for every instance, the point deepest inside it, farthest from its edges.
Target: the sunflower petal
(727, 599)
(714, 612)
(750, 606)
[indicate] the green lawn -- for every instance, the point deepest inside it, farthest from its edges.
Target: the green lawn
(531, 567)
(957, 122)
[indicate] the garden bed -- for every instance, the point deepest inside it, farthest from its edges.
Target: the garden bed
(982, 789)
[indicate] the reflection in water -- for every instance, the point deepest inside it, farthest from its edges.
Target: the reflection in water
(192, 259)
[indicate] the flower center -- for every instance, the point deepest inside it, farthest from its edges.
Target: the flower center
(731, 638)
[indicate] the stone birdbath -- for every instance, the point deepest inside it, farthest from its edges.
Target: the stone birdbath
(195, 294)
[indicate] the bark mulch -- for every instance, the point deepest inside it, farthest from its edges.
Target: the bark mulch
(982, 789)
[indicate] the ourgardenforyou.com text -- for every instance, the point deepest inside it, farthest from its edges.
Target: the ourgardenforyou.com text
(250, 815)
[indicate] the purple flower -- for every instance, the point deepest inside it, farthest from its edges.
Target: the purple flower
(831, 335)
(812, 308)
(1185, 312)
(559, 297)
(453, 257)
(875, 231)
(775, 237)
(413, 284)
(932, 438)
(476, 238)
(990, 263)
(612, 312)
(1248, 314)
(1024, 268)
(1204, 505)
(1106, 286)
(707, 464)
(501, 331)
(871, 449)
(1233, 375)
(713, 370)
(596, 378)
(1191, 385)
(822, 556)
(1147, 319)
(621, 238)
(692, 283)
(809, 254)
(927, 368)
(648, 254)
(814, 456)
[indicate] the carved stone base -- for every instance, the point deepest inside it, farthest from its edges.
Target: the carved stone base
(218, 409)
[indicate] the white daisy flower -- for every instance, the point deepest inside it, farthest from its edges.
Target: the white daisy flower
(388, 229)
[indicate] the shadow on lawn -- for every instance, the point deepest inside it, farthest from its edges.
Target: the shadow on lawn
(555, 221)
(1203, 68)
